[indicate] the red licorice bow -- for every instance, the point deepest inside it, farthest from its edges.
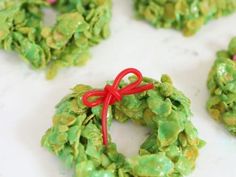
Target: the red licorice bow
(234, 57)
(112, 94)
(51, 1)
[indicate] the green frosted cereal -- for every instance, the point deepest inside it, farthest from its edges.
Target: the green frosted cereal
(222, 87)
(187, 16)
(79, 26)
(171, 148)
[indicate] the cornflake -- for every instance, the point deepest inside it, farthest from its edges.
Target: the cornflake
(187, 16)
(171, 148)
(222, 87)
(79, 26)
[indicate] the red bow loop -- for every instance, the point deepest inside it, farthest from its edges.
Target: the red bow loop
(112, 94)
(234, 57)
(91, 94)
(51, 1)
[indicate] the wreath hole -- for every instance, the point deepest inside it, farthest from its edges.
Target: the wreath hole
(129, 135)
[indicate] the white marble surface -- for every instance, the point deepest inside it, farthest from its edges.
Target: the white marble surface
(27, 100)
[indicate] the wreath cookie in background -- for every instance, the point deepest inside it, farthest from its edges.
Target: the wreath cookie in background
(187, 16)
(79, 138)
(79, 25)
(222, 87)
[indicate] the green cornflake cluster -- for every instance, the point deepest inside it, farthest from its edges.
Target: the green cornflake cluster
(222, 87)
(80, 25)
(185, 15)
(170, 149)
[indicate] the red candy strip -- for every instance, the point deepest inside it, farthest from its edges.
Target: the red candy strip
(112, 94)
(52, 1)
(234, 57)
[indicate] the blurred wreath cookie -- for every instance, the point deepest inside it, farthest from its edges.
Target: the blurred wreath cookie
(78, 137)
(187, 16)
(222, 87)
(80, 25)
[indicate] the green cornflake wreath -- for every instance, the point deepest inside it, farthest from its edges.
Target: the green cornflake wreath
(170, 149)
(80, 25)
(185, 15)
(222, 87)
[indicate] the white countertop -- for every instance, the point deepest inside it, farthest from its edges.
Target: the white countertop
(27, 100)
